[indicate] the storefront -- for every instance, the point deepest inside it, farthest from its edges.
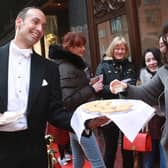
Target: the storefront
(139, 21)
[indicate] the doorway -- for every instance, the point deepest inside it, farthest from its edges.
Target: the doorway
(109, 18)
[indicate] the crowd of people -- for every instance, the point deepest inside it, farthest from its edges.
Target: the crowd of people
(48, 91)
(30, 85)
(151, 92)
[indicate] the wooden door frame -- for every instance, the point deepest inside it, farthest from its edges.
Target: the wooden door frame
(133, 32)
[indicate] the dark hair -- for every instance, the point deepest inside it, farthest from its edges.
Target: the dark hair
(165, 28)
(72, 39)
(164, 33)
(156, 53)
(23, 12)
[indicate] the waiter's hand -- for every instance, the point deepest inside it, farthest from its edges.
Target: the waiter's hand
(97, 122)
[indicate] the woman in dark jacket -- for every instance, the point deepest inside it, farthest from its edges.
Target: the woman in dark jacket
(115, 65)
(76, 90)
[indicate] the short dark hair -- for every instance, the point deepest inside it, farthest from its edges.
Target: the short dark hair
(165, 28)
(24, 11)
(165, 33)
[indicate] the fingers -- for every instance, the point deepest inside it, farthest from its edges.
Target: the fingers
(98, 86)
(98, 121)
(101, 120)
(117, 86)
(114, 83)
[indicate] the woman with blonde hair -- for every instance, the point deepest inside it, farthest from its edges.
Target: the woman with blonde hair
(115, 65)
(117, 41)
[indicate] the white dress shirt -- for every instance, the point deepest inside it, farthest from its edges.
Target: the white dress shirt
(18, 85)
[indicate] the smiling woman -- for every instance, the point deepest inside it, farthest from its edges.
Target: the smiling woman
(115, 65)
(151, 61)
(76, 90)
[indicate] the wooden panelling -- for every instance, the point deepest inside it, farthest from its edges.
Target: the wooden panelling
(103, 14)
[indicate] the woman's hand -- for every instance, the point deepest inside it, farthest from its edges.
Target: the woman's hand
(98, 86)
(117, 86)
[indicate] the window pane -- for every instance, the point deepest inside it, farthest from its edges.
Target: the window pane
(152, 15)
(111, 28)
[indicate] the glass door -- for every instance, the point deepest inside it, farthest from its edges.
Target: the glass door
(109, 29)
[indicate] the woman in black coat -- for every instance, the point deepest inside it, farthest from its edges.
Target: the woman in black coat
(76, 90)
(115, 65)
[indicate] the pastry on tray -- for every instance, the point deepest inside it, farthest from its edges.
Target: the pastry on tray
(106, 106)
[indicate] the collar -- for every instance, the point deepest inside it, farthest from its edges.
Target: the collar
(26, 53)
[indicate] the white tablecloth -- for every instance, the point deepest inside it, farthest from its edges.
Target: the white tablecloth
(130, 123)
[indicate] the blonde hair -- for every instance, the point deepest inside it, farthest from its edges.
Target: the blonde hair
(116, 41)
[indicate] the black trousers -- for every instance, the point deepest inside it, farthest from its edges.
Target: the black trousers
(111, 136)
(21, 149)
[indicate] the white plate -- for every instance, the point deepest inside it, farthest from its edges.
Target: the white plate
(9, 117)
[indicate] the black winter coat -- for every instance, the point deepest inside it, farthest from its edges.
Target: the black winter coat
(73, 77)
(113, 69)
